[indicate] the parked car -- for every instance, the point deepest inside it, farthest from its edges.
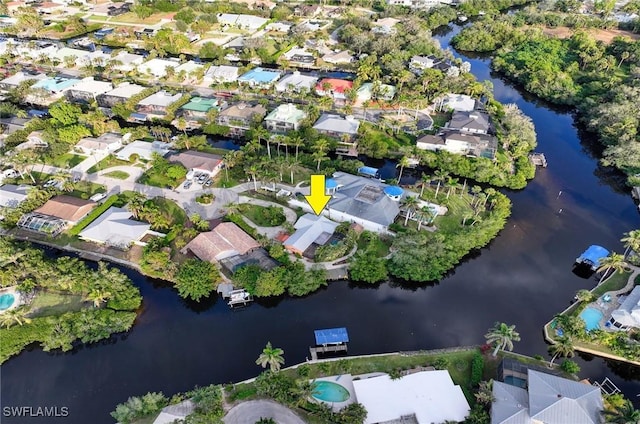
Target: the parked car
(191, 174)
(202, 178)
(208, 182)
(98, 197)
(187, 184)
(49, 183)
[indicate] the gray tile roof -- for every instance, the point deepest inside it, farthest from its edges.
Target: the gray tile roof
(337, 124)
(309, 229)
(470, 121)
(510, 406)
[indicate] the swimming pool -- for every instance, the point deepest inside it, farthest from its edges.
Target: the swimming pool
(515, 381)
(591, 318)
(329, 392)
(6, 300)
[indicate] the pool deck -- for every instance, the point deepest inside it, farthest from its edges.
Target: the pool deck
(346, 381)
(17, 298)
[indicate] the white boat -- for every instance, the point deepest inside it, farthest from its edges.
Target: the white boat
(462, 18)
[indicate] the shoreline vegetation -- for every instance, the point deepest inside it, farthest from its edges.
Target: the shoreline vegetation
(599, 80)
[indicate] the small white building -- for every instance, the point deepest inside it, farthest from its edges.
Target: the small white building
(247, 22)
(296, 82)
(337, 126)
(286, 117)
(627, 316)
(88, 90)
(157, 67)
(106, 143)
(221, 74)
(12, 195)
(120, 94)
(116, 228)
(456, 103)
(189, 68)
(143, 149)
(126, 62)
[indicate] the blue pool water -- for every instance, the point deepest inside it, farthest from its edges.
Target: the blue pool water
(6, 300)
(515, 381)
(591, 318)
(330, 392)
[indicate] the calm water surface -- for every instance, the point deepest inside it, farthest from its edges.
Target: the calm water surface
(523, 277)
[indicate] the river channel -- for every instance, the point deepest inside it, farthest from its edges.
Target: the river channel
(523, 277)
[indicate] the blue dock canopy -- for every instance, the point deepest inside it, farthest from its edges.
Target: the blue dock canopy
(331, 336)
(593, 255)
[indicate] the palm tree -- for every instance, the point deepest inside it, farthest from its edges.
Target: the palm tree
(98, 296)
(318, 156)
(260, 133)
(453, 184)
(440, 176)
(503, 336)
(181, 125)
(271, 356)
(136, 204)
(614, 262)
(631, 241)
(253, 170)
(484, 395)
(562, 347)
(231, 159)
(625, 414)
(402, 163)
(425, 180)
(14, 316)
(232, 208)
(585, 296)
(410, 203)
(297, 141)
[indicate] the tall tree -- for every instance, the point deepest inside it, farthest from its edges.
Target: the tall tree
(271, 357)
(410, 203)
(502, 336)
(403, 162)
(563, 346)
(614, 262)
(624, 414)
(631, 241)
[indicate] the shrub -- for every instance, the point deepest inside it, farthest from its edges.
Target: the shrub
(441, 363)
(92, 216)
(570, 367)
(477, 368)
(205, 199)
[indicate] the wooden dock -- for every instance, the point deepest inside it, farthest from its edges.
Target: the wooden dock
(538, 159)
(239, 297)
(326, 349)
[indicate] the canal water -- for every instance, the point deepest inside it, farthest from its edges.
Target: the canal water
(523, 277)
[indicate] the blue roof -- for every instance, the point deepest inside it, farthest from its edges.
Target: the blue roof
(331, 183)
(593, 255)
(367, 170)
(37, 113)
(139, 116)
(260, 75)
(393, 191)
(331, 336)
(56, 83)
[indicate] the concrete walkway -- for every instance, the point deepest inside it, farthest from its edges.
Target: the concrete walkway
(252, 411)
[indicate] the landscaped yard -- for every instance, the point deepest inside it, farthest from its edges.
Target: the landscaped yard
(121, 175)
(86, 189)
(271, 216)
(171, 210)
(48, 303)
(68, 160)
(380, 246)
(107, 162)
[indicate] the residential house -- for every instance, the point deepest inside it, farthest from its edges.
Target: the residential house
(417, 64)
(474, 122)
(189, 68)
(462, 143)
(259, 77)
(405, 3)
(67, 208)
(336, 88)
(286, 117)
(16, 79)
(239, 117)
(75, 57)
(143, 150)
(311, 231)
(87, 90)
(104, 144)
(344, 129)
(308, 10)
(237, 45)
(117, 10)
(296, 82)
(145, 33)
(118, 95)
(300, 56)
(223, 241)
(424, 397)
(246, 22)
(35, 50)
(627, 315)
(198, 162)
(546, 399)
(279, 27)
(12, 195)
(338, 57)
(195, 112)
(385, 26)
(13, 124)
(115, 228)
(50, 89)
(456, 103)
(126, 62)
(157, 67)
(155, 106)
(35, 140)
(221, 74)
(376, 91)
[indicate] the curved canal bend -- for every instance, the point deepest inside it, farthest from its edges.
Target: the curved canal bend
(524, 277)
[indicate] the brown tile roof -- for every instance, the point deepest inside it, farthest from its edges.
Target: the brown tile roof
(223, 241)
(197, 160)
(67, 207)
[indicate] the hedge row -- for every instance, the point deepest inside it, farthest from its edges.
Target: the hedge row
(93, 215)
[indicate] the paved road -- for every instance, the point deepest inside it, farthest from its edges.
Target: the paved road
(252, 411)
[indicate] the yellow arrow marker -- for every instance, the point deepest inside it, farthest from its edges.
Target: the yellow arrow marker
(317, 199)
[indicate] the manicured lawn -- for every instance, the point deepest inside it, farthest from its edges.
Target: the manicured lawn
(121, 175)
(131, 18)
(107, 162)
(394, 142)
(440, 119)
(86, 189)
(157, 177)
(68, 160)
(47, 303)
(98, 18)
(171, 209)
(380, 246)
(263, 216)
(615, 282)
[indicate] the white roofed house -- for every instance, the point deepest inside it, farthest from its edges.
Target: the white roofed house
(116, 228)
(87, 90)
(35, 140)
(246, 22)
(474, 122)
(420, 63)
(627, 316)
(240, 117)
(296, 82)
(286, 117)
(345, 129)
(125, 61)
(221, 74)
(310, 229)
(456, 103)
(189, 69)
(155, 106)
(459, 142)
(12, 195)
(143, 149)
(104, 144)
(16, 79)
(157, 67)
(75, 57)
(120, 94)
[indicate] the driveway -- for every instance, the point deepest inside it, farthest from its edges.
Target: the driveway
(252, 411)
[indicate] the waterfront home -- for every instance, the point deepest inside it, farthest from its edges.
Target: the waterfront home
(195, 112)
(368, 202)
(423, 397)
(246, 22)
(546, 398)
(87, 90)
(120, 94)
(474, 122)
(338, 57)
(48, 90)
(157, 67)
(296, 82)
(12, 195)
(461, 143)
(456, 103)
(385, 26)
(143, 150)
(376, 91)
(67, 208)
(627, 315)
(104, 144)
(343, 128)
(190, 68)
(333, 87)
(13, 124)
(279, 27)
(311, 231)
(16, 79)
(35, 140)
(259, 77)
(74, 57)
(125, 61)
(115, 228)
(198, 162)
(286, 117)
(418, 64)
(240, 117)
(300, 56)
(225, 240)
(155, 106)
(221, 74)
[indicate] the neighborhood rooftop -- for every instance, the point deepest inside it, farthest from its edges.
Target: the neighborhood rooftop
(161, 98)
